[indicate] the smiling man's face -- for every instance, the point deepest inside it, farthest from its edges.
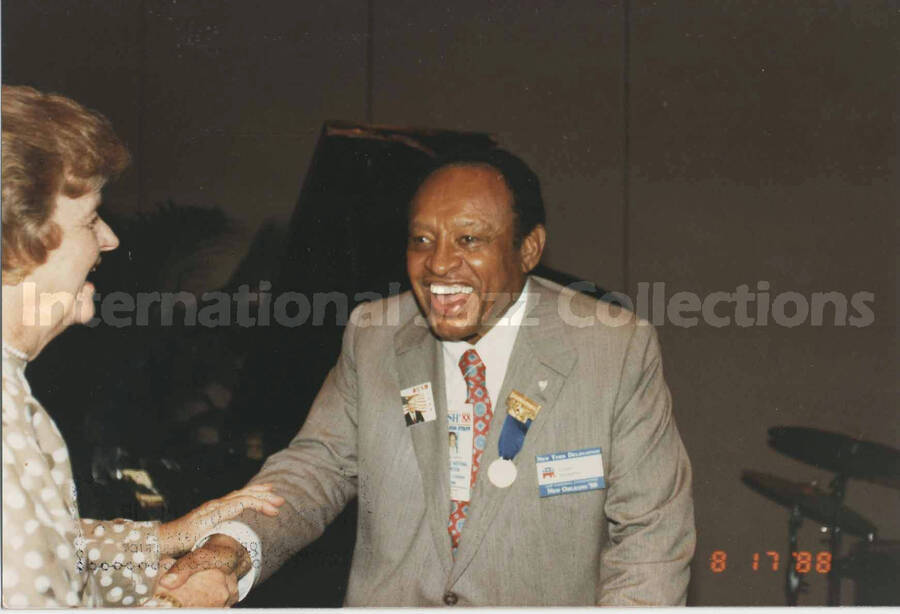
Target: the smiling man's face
(461, 256)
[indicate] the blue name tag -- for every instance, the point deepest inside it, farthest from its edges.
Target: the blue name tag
(563, 473)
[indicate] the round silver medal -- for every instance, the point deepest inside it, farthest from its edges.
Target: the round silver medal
(502, 473)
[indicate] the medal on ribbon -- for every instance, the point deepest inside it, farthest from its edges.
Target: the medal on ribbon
(521, 412)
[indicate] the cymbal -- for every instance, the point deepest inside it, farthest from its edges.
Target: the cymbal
(840, 453)
(814, 502)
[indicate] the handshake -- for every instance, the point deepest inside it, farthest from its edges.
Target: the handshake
(208, 576)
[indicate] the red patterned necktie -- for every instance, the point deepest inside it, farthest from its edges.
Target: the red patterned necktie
(473, 371)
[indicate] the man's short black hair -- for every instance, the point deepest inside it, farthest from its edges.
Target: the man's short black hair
(523, 183)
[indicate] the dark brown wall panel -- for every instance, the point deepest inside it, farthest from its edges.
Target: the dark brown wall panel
(763, 149)
(237, 93)
(88, 51)
(546, 80)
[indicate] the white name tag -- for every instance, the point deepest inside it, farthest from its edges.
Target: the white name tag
(418, 404)
(459, 423)
(569, 472)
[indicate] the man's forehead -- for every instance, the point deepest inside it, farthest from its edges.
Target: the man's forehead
(466, 177)
(466, 194)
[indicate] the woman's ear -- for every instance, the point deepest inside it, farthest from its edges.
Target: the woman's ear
(532, 248)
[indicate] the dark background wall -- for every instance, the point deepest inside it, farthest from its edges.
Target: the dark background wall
(703, 146)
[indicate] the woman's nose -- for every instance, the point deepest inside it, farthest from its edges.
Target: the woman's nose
(108, 239)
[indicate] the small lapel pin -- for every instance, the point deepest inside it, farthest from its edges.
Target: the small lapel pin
(542, 385)
(521, 407)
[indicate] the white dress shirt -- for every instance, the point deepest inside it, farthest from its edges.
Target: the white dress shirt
(494, 348)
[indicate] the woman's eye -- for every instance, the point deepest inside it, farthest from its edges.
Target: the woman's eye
(468, 239)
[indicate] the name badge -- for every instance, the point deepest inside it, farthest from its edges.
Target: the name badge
(418, 404)
(459, 422)
(563, 473)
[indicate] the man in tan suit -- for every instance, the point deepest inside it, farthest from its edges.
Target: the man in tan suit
(577, 490)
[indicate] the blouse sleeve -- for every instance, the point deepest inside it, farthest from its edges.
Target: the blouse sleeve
(123, 555)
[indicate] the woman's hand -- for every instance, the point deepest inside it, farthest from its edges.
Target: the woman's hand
(180, 535)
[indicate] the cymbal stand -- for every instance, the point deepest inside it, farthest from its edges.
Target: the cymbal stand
(793, 582)
(838, 490)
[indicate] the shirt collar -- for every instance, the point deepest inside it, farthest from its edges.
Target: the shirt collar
(497, 344)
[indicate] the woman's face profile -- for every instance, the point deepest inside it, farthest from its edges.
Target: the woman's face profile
(64, 295)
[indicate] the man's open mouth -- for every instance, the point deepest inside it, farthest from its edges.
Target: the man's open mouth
(449, 300)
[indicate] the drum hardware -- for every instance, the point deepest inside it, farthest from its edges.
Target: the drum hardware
(810, 501)
(793, 584)
(874, 568)
(848, 458)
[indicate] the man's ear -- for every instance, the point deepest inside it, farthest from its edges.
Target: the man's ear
(532, 248)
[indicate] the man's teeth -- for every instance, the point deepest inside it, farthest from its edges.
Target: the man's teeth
(444, 289)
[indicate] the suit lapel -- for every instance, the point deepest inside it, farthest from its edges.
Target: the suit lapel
(419, 361)
(541, 353)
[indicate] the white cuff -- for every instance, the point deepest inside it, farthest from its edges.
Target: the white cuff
(251, 543)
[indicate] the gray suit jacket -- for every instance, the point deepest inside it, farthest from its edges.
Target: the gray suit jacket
(630, 543)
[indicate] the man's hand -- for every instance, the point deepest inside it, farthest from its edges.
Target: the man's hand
(180, 535)
(222, 554)
(207, 588)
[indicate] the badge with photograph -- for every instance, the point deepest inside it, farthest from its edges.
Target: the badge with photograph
(459, 423)
(418, 404)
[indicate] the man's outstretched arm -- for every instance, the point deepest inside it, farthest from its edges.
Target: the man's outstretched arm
(316, 476)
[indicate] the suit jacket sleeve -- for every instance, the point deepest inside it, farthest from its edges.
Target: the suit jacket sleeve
(649, 503)
(317, 472)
